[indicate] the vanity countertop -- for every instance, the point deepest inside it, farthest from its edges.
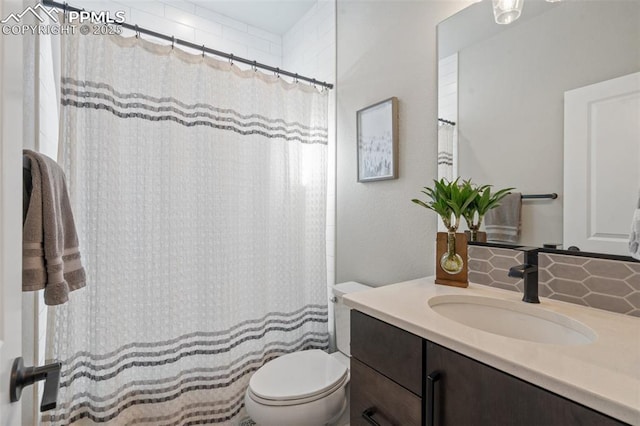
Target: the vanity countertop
(603, 375)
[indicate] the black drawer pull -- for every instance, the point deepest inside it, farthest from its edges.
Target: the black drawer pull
(368, 416)
(431, 398)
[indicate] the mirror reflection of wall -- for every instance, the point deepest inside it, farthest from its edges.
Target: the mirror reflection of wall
(511, 81)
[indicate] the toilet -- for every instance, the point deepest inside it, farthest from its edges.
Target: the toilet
(307, 387)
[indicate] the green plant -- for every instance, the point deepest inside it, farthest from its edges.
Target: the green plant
(449, 200)
(483, 202)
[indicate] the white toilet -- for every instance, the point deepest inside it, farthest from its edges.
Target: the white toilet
(307, 387)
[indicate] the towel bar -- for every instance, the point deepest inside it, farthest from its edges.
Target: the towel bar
(551, 196)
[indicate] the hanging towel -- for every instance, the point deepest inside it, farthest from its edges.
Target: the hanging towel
(50, 254)
(503, 222)
(634, 236)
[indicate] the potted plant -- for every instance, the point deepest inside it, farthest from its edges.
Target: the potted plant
(450, 200)
(479, 207)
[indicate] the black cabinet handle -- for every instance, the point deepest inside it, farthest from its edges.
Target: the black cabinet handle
(22, 377)
(431, 397)
(368, 416)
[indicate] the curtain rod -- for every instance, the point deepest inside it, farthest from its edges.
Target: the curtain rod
(202, 48)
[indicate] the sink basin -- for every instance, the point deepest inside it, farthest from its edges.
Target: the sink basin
(517, 320)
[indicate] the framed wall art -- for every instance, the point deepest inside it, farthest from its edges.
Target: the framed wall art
(378, 141)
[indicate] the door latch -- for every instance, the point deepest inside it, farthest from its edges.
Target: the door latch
(22, 377)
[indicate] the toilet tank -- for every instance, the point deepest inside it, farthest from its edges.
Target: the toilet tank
(342, 314)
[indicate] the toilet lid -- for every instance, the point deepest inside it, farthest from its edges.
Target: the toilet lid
(297, 376)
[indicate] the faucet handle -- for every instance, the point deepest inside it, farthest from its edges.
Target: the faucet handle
(517, 271)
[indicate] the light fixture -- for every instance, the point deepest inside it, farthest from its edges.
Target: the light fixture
(507, 11)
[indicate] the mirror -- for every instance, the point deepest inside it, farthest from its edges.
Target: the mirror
(503, 86)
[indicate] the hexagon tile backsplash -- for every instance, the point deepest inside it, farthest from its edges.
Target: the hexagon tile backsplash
(612, 285)
(490, 266)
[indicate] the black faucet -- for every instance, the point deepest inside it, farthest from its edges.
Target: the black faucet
(528, 271)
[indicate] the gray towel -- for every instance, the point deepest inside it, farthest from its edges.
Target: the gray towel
(503, 222)
(634, 236)
(50, 255)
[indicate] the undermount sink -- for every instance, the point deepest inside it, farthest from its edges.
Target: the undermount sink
(517, 320)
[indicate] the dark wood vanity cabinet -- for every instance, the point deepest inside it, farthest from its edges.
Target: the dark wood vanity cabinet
(467, 392)
(386, 374)
(398, 378)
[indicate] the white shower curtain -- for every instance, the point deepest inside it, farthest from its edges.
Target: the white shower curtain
(199, 193)
(447, 147)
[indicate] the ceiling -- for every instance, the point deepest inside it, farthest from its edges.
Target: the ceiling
(274, 16)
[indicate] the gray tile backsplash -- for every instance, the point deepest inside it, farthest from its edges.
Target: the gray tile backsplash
(490, 266)
(612, 285)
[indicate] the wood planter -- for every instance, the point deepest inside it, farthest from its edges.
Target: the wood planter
(482, 237)
(461, 278)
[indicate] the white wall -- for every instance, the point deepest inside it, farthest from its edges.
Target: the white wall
(196, 24)
(387, 48)
(511, 88)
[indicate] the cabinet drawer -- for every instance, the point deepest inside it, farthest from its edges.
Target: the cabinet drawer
(469, 392)
(393, 352)
(388, 402)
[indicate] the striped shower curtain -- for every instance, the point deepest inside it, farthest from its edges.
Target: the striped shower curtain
(199, 193)
(447, 147)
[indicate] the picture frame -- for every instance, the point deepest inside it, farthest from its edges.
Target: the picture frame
(377, 141)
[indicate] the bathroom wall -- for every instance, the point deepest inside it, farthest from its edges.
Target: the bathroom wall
(385, 49)
(196, 24)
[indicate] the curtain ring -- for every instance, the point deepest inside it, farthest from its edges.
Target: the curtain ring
(277, 73)
(137, 31)
(231, 59)
(255, 66)
(173, 42)
(295, 79)
(203, 50)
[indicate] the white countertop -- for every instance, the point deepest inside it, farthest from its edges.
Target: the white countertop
(603, 375)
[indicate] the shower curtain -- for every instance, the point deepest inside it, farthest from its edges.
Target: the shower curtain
(446, 151)
(199, 194)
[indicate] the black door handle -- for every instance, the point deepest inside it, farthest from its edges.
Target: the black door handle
(431, 397)
(22, 377)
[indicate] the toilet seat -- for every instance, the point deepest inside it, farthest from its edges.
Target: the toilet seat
(297, 378)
